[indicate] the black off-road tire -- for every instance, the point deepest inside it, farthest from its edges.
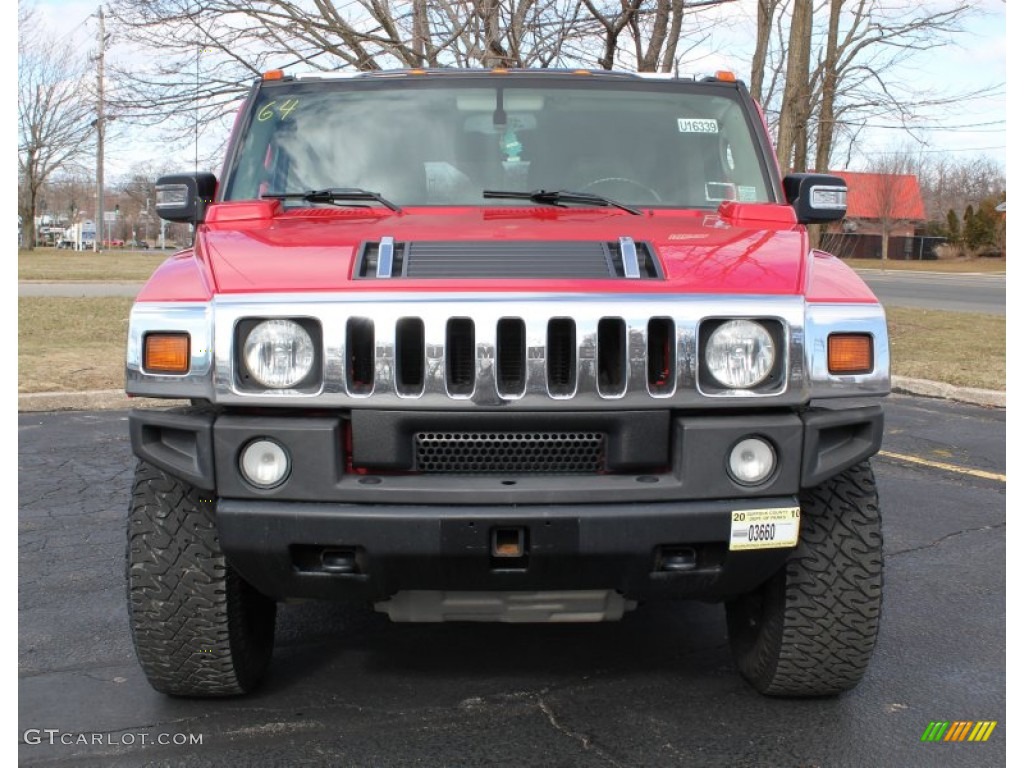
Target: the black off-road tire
(810, 629)
(199, 629)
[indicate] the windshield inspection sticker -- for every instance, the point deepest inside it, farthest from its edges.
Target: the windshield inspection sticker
(697, 125)
(717, 191)
(747, 194)
(765, 528)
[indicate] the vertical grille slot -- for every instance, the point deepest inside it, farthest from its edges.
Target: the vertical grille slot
(359, 348)
(561, 357)
(611, 356)
(409, 356)
(661, 360)
(460, 356)
(511, 356)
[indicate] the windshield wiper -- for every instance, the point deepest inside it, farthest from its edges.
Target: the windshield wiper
(557, 197)
(333, 195)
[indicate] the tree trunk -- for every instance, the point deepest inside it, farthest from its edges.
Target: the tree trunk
(830, 76)
(796, 97)
(494, 55)
(27, 211)
(765, 20)
(419, 31)
(800, 146)
(668, 63)
(649, 62)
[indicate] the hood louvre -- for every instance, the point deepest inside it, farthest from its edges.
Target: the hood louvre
(558, 259)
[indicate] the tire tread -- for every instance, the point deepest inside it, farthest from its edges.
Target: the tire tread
(197, 627)
(820, 615)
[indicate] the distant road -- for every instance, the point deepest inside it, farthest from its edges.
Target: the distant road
(932, 290)
(938, 290)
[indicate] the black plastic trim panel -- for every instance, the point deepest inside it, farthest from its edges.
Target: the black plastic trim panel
(835, 440)
(203, 448)
(180, 442)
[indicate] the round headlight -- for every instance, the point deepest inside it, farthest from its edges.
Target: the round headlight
(279, 353)
(740, 354)
(751, 461)
(264, 463)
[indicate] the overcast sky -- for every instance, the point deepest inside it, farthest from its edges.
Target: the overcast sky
(972, 127)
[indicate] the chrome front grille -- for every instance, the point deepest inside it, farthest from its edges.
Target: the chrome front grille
(607, 359)
(516, 452)
(388, 349)
(505, 351)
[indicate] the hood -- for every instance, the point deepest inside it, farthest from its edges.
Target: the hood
(252, 247)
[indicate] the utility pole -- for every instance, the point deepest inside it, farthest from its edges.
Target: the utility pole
(99, 135)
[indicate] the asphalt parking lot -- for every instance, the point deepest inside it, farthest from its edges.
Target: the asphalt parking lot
(659, 688)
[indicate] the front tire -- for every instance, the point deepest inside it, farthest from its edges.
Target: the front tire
(199, 629)
(810, 629)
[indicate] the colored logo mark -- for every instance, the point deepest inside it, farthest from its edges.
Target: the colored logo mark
(958, 730)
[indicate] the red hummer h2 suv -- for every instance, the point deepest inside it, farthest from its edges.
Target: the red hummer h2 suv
(535, 346)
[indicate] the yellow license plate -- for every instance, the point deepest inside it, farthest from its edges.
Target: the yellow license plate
(765, 528)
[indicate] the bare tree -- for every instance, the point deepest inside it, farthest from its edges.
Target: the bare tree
(894, 192)
(796, 100)
(949, 183)
(856, 48)
(766, 15)
(227, 43)
(653, 27)
(211, 50)
(879, 36)
(54, 114)
(829, 77)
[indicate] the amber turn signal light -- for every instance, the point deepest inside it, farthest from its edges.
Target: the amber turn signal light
(166, 353)
(850, 353)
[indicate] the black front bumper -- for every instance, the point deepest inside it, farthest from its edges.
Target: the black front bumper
(643, 551)
(396, 530)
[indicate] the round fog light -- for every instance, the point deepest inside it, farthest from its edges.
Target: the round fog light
(264, 463)
(751, 461)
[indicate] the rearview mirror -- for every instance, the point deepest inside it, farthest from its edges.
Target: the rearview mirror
(184, 196)
(816, 197)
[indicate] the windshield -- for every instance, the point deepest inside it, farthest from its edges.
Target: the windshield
(443, 142)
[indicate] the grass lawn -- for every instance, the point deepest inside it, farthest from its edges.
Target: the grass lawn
(71, 344)
(78, 344)
(108, 266)
(995, 266)
(961, 348)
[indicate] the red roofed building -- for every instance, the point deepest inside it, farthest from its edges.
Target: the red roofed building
(880, 207)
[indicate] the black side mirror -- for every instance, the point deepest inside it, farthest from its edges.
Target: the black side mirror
(184, 196)
(816, 197)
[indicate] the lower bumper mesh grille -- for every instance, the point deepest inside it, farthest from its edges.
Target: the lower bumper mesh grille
(510, 452)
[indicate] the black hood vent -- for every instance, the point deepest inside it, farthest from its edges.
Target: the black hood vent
(508, 260)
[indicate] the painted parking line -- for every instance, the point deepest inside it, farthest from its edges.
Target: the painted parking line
(944, 466)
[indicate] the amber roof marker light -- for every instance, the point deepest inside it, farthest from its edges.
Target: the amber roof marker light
(166, 353)
(850, 353)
